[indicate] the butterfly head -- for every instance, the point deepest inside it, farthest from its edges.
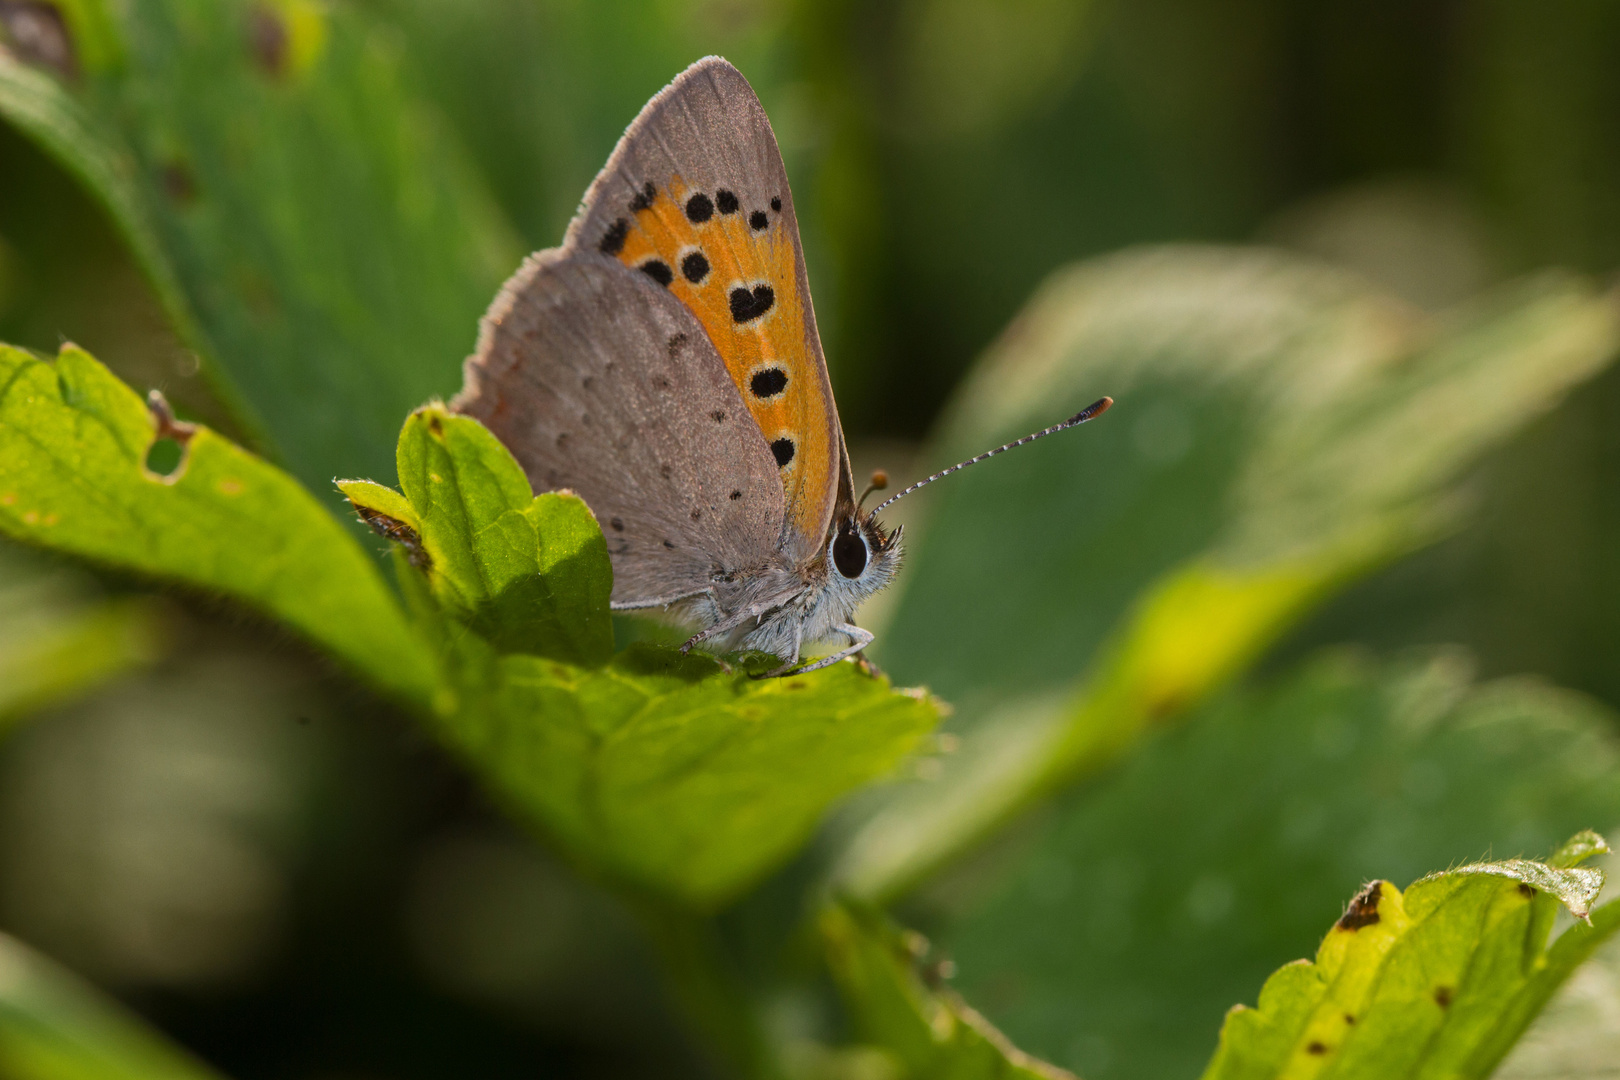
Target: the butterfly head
(861, 555)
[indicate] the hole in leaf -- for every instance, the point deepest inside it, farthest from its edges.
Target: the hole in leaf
(165, 459)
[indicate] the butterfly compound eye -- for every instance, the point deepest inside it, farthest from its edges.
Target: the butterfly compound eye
(849, 553)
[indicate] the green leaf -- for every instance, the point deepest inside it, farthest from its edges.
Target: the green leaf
(530, 573)
(664, 774)
(73, 478)
(331, 268)
(932, 1031)
(1111, 932)
(57, 640)
(1577, 1035)
(1437, 982)
(1281, 428)
(53, 1027)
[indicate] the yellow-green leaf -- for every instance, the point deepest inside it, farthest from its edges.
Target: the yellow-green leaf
(73, 478)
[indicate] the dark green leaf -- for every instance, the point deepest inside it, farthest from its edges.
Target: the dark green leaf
(1117, 957)
(73, 477)
(929, 1029)
(333, 266)
(1280, 428)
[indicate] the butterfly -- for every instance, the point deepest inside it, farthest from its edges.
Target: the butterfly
(664, 364)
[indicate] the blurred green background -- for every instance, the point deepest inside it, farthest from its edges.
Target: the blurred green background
(276, 870)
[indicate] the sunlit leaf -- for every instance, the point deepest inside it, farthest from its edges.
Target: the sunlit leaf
(1438, 981)
(663, 771)
(74, 478)
(529, 572)
(667, 774)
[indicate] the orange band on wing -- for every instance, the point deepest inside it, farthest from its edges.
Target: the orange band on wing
(734, 267)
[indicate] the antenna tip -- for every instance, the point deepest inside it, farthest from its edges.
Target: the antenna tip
(1092, 411)
(880, 479)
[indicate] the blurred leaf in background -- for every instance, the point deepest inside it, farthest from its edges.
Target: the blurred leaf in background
(1282, 428)
(1119, 959)
(54, 1025)
(58, 637)
(313, 232)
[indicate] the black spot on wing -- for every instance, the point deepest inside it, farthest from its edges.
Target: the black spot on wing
(718, 416)
(613, 240)
(776, 204)
(726, 201)
(747, 306)
(758, 220)
(699, 209)
(768, 382)
(644, 198)
(676, 343)
(659, 271)
(617, 524)
(735, 495)
(695, 267)
(783, 449)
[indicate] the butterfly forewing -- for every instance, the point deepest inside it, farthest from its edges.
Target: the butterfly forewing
(599, 381)
(695, 199)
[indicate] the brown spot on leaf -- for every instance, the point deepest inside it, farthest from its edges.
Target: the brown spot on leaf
(400, 533)
(179, 183)
(1316, 1048)
(1442, 996)
(1526, 890)
(1363, 909)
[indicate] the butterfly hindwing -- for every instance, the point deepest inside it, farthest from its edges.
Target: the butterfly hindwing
(598, 380)
(695, 198)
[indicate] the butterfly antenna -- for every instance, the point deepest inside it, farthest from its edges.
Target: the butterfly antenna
(880, 480)
(1090, 412)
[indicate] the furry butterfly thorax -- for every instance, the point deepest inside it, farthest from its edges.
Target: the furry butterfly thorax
(664, 364)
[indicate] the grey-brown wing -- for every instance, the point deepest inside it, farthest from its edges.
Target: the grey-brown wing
(599, 381)
(696, 194)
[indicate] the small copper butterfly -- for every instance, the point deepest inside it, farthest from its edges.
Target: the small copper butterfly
(664, 364)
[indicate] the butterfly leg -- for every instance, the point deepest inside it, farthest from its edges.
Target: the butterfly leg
(859, 639)
(731, 622)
